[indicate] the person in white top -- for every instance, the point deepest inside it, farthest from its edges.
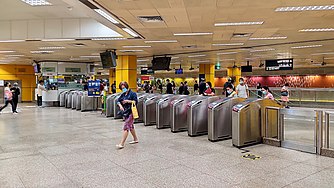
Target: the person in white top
(242, 89)
(40, 89)
(8, 97)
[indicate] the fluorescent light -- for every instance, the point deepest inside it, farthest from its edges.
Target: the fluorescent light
(52, 48)
(131, 50)
(317, 30)
(142, 60)
(227, 60)
(17, 55)
(204, 61)
(329, 58)
(191, 34)
(106, 16)
(130, 32)
(309, 46)
(41, 52)
(89, 56)
(12, 41)
(200, 55)
(304, 8)
(263, 50)
(268, 38)
(137, 46)
(109, 38)
(160, 41)
(6, 51)
(226, 53)
(229, 44)
(175, 57)
(37, 2)
(56, 40)
(238, 23)
(324, 53)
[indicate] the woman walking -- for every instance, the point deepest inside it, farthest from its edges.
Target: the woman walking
(125, 102)
(8, 97)
(285, 95)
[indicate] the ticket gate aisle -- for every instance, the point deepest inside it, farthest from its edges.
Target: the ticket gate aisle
(246, 123)
(110, 104)
(69, 99)
(140, 105)
(88, 103)
(178, 116)
(75, 99)
(78, 104)
(62, 98)
(220, 118)
(164, 110)
(197, 115)
(150, 108)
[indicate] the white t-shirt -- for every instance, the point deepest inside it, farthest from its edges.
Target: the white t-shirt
(40, 88)
(242, 91)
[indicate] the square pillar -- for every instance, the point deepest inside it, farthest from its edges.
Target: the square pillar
(126, 70)
(209, 71)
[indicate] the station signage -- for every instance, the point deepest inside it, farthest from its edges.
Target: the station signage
(93, 88)
(279, 64)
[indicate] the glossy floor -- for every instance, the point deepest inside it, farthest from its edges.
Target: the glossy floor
(57, 147)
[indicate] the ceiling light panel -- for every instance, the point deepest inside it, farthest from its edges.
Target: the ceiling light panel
(106, 16)
(268, 38)
(37, 2)
(229, 44)
(89, 56)
(5, 41)
(137, 46)
(309, 46)
(324, 53)
(142, 60)
(263, 50)
(51, 48)
(161, 41)
(57, 40)
(226, 53)
(41, 52)
(109, 38)
(238, 23)
(17, 55)
(131, 50)
(317, 30)
(191, 34)
(130, 32)
(200, 55)
(6, 51)
(304, 8)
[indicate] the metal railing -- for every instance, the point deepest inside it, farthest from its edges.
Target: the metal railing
(326, 149)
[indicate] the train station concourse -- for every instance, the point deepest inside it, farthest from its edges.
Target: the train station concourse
(166, 93)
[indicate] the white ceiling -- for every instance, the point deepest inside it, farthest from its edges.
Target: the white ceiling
(182, 16)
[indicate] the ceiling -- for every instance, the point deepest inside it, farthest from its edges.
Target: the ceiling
(184, 16)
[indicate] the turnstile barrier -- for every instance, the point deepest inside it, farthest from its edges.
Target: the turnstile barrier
(150, 108)
(163, 111)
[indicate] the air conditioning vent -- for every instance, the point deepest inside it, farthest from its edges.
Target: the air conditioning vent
(189, 47)
(241, 35)
(150, 19)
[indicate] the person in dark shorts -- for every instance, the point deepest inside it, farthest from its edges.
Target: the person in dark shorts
(16, 92)
(196, 88)
(125, 102)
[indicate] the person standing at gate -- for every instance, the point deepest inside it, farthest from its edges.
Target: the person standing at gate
(242, 89)
(16, 92)
(196, 88)
(40, 89)
(8, 97)
(169, 87)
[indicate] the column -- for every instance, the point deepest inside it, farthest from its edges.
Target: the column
(209, 71)
(126, 70)
(235, 74)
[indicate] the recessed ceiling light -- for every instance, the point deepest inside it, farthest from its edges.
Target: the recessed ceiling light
(106, 16)
(329, 58)
(41, 52)
(37, 2)
(131, 50)
(175, 57)
(160, 41)
(229, 44)
(130, 32)
(268, 38)
(317, 30)
(309, 46)
(109, 38)
(6, 51)
(263, 50)
(89, 56)
(137, 46)
(226, 53)
(142, 60)
(304, 8)
(52, 48)
(200, 55)
(238, 23)
(4, 41)
(56, 40)
(324, 53)
(204, 61)
(17, 55)
(191, 34)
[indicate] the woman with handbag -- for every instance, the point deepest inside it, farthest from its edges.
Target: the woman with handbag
(285, 95)
(126, 102)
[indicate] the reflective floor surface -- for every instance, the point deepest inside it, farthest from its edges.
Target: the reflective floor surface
(57, 147)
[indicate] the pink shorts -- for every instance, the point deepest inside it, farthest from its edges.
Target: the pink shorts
(128, 124)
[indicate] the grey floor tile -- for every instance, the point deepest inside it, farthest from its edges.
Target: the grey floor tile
(149, 166)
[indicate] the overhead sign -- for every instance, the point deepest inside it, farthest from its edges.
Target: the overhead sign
(48, 69)
(145, 78)
(279, 64)
(74, 70)
(93, 88)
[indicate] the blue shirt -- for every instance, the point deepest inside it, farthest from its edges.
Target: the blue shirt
(127, 96)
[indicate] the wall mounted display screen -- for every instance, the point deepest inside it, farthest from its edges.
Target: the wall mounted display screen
(248, 68)
(161, 63)
(37, 68)
(108, 59)
(178, 71)
(146, 71)
(279, 64)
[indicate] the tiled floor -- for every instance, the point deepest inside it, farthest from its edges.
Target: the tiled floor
(57, 147)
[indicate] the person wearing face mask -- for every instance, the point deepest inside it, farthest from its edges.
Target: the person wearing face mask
(242, 89)
(267, 93)
(230, 92)
(209, 91)
(228, 83)
(285, 95)
(125, 102)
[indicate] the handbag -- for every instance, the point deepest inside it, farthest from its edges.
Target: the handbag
(284, 93)
(134, 110)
